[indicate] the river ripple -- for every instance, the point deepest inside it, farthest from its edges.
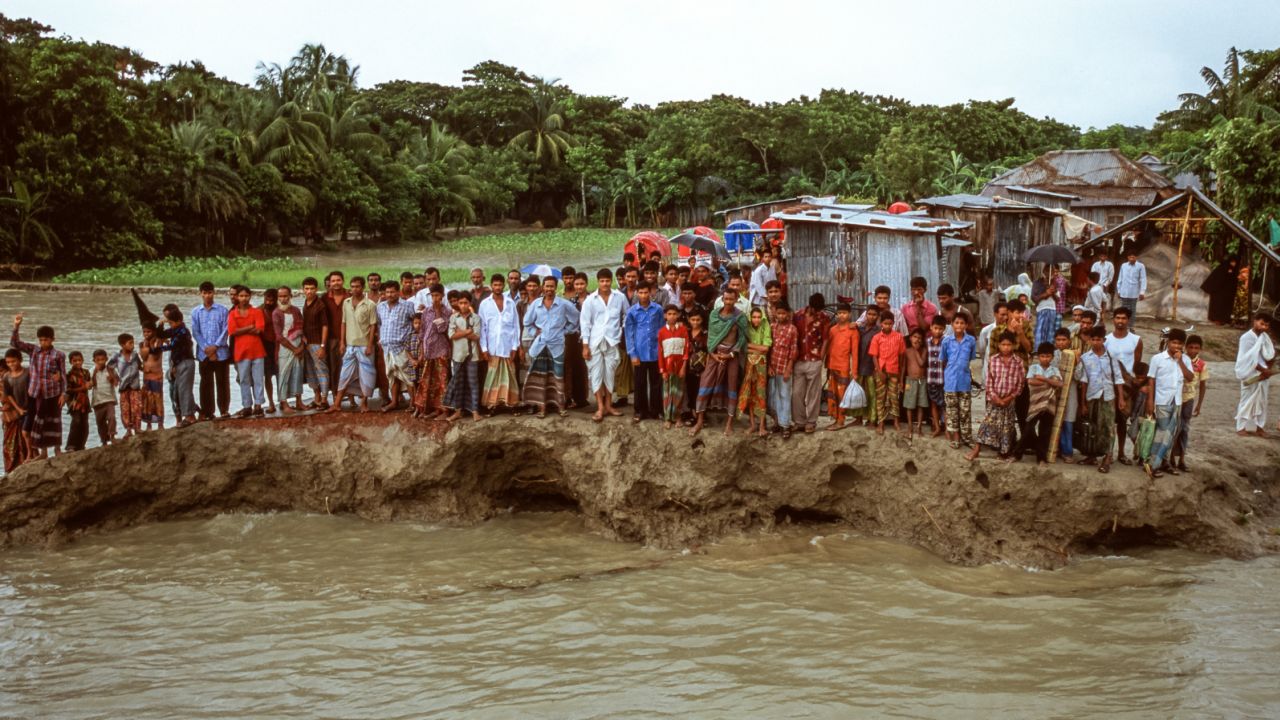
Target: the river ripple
(295, 615)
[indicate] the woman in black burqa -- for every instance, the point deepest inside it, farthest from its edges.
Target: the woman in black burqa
(1220, 286)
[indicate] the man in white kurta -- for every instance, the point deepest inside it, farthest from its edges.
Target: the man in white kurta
(1253, 370)
(601, 325)
(499, 341)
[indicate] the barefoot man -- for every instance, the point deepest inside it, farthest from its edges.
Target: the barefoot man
(1253, 369)
(601, 326)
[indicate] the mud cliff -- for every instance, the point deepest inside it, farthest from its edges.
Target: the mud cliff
(645, 484)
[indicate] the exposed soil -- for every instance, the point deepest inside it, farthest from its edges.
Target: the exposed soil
(645, 484)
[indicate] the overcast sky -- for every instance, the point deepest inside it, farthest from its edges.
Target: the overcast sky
(1089, 63)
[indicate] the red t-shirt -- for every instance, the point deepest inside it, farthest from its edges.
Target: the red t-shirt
(887, 349)
(248, 346)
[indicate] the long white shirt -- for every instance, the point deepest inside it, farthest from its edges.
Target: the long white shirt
(1133, 280)
(499, 329)
(1096, 300)
(1168, 378)
(602, 321)
(1254, 350)
(760, 278)
(1124, 350)
(1106, 272)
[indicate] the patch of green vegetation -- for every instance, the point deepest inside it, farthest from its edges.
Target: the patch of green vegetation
(453, 257)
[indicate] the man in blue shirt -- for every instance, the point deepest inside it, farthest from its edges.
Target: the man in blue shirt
(643, 322)
(209, 331)
(548, 320)
(958, 350)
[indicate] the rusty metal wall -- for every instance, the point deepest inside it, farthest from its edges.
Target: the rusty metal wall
(845, 261)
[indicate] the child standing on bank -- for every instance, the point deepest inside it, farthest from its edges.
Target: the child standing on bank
(753, 397)
(152, 354)
(958, 349)
(78, 381)
(887, 348)
(673, 356)
(1005, 376)
(128, 367)
(1193, 392)
(842, 362)
(1044, 381)
(915, 397)
(782, 360)
(933, 379)
(868, 328)
(463, 392)
(102, 395)
(13, 409)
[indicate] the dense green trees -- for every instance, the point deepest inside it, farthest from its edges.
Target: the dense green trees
(105, 156)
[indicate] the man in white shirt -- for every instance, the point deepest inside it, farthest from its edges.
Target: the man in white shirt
(1106, 271)
(601, 325)
(742, 303)
(1126, 348)
(499, 342)
(1096, 299)
(1253, 370)
(1167, 372)
(760, 278)
(1131, 285)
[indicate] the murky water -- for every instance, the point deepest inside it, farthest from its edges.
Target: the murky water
(315, 616)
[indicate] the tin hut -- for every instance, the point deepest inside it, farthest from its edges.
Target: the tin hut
(1003, 229)
(761, 211)
(847, 253)
(1107, 187)
(1180, 241)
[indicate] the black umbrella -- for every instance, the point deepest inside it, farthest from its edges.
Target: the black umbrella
(1052, 254)
(145, 316)
(701, 243)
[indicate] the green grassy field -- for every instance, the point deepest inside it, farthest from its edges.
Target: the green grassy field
(497, 253)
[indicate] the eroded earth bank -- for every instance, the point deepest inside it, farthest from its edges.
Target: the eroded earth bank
(644, 484)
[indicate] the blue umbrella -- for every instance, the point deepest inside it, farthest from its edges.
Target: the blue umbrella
(540, 269)
(735, 240)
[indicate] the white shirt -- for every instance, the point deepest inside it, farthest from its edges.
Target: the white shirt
(1106, 272)
(984, 342)
(1133, 280)
(1096, 300)
(760, 277)
(742, 304)
(1168, 378)
(602, 321)
(499, 329)
(1123, 349)
(421, 299)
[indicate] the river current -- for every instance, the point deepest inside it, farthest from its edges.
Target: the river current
(306, 616)
(297, 615)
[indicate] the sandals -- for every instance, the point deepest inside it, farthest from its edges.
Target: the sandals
(1104, 469)
(786, 434)
(1124, 460)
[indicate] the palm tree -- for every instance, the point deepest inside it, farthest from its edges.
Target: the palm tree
(32, 239)
(543, 122)
(344, 126)
(1233, 93)
(211, 190)
(441, 158)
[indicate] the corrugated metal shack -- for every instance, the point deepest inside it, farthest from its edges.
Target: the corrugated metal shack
(1108, 188)
(1002, 231)
(842, 252)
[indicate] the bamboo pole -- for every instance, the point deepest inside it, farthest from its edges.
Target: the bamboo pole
(1177, 268)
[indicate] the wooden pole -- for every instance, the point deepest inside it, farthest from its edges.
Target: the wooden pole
(1177, 268)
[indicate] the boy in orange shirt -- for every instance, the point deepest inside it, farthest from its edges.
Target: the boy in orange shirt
(887, 348)
(842, 362)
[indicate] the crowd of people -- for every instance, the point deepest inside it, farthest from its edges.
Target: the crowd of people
(674, 342)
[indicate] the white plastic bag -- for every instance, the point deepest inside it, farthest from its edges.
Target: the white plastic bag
(854, 398)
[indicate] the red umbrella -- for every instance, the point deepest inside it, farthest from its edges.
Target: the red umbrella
(898, 208)
(649, 240)
(704, 231)
(775, 239)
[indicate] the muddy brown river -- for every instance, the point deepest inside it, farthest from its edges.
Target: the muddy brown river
(531, 615)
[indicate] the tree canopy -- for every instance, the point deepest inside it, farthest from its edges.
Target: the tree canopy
(107, 157)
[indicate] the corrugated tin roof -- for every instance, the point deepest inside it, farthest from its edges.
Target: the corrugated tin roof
(1046, 193)
(1082, 168)
(964, 201)
(876, 220)
(815, 200)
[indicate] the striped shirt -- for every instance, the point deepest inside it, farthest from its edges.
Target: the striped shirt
(48, 369)
(396, 323)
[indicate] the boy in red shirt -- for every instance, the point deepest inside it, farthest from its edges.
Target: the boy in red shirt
(246, 324)
(842, 362)
(887, 348)
(673, 353)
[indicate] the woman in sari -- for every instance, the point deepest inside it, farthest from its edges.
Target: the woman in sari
(13, 403)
